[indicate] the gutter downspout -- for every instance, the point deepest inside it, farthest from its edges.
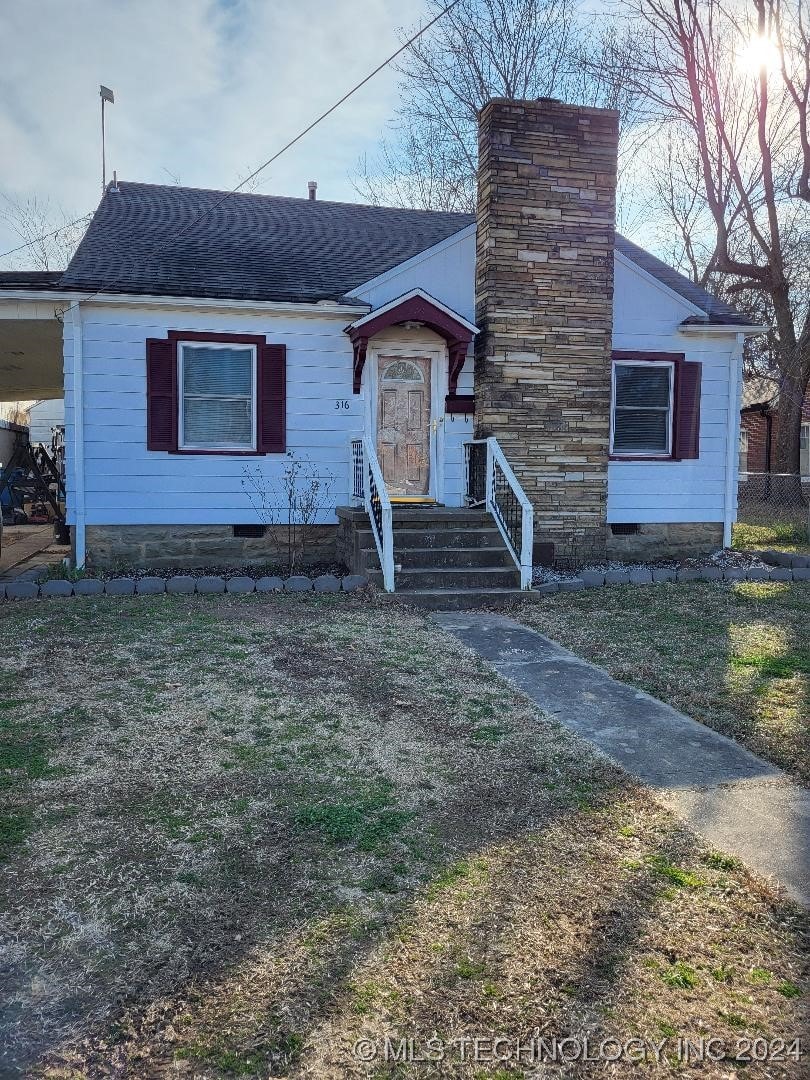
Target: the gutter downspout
(732, 439)
(79, 549)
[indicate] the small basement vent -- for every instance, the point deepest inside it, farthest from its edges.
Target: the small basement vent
(625, 530)
(248, 530)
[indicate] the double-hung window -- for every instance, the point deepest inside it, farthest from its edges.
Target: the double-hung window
(643, 408)
(217, 396)
(804, 450)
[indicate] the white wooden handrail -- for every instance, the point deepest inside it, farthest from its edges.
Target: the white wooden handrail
(369, 486)
(506, 500)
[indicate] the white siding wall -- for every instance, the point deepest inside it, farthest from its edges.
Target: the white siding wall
(127, 484)
(447, 273)
(647, 317)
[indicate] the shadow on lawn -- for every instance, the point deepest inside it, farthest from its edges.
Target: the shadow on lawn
(484, 883)
(736, 657)
(768, 676)
(512, 941)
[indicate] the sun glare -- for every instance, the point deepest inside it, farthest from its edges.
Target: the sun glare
(761, 53)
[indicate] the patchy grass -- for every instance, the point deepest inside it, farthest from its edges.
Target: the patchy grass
(781, 536)
(736, 657)
(250, 831)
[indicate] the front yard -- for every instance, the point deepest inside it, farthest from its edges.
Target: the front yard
(240, 834)
(736, 657)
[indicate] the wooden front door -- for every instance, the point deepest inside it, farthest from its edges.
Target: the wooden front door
(403, 424)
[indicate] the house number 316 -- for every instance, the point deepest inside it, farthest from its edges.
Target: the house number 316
(342, 403)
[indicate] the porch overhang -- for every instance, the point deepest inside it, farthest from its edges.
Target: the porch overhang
(30, 352)
(418, 307)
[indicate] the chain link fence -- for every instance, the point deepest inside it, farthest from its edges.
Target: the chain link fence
(776, 501)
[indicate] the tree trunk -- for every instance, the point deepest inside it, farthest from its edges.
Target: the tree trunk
(792, 389)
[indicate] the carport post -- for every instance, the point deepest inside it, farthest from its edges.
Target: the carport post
(78, 435)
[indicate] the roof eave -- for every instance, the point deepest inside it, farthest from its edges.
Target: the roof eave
(698, 328)
(87, 296)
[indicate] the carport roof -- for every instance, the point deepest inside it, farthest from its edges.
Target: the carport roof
(30, 279)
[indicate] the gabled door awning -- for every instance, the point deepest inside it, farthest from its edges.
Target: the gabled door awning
(419, 307)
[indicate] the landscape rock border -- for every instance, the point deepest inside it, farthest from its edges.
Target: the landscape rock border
(181, 585)
(785, 559)
(594, 579)
(783, 566)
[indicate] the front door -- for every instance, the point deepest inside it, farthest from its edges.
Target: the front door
(403, 424)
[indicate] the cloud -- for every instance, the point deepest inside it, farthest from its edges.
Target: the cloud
(205, 91)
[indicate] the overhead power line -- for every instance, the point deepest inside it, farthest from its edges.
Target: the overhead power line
(340, 101)
(215, 206)
(328, 112)
(47, 236)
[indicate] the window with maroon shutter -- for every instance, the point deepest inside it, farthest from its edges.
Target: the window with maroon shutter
(161, 395)
(272, 403)
(655, 406)
(215, 393)
(687, 411)
(642, 415)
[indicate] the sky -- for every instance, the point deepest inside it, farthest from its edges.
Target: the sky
(205, 90)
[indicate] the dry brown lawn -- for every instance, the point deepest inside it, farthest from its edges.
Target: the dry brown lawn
(734, 656)
(273, 836)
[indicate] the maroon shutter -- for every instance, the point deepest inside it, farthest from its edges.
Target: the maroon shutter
(161, 395)
(271, 420)
(687, 412)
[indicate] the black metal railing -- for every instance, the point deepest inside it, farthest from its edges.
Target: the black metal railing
(476, 492)
(358, 465)
(375, 503)
(506, 505)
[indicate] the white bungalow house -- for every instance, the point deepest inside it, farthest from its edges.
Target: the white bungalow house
(524, 375)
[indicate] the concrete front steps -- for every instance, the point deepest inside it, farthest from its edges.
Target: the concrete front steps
(446, 558)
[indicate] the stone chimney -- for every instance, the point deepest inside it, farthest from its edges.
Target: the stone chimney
(544, 302)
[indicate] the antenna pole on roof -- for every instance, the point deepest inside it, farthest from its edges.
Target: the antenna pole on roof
(106, 95)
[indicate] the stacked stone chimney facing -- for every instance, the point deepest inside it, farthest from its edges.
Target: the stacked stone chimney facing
(544, 302)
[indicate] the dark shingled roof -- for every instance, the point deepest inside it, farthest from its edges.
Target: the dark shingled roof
(30, 279)
(176, 241)
(251, 247)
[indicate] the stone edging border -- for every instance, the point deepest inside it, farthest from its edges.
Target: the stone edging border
(783, 558)
(784, 566)
(593, 579)
(180, 585)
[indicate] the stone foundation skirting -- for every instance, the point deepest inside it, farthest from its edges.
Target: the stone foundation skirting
(189, 546)
(673, 540)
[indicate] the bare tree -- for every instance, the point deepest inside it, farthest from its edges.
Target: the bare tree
(729, 84)
(16, 412)
(50, 234)
(479, 50)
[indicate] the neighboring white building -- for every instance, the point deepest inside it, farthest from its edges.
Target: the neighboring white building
(43, 417)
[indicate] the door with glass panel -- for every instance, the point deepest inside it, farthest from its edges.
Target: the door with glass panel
(403, 424)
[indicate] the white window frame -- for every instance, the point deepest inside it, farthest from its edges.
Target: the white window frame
(242, 448)
(657, 364)
(805, 453)
(743, 454)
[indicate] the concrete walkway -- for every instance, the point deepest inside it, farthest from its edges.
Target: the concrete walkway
(737, 801)
(20, 543)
